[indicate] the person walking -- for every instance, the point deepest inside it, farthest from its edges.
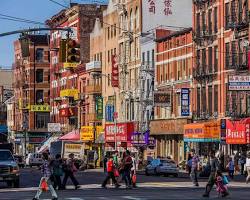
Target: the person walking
(230, 167)
(128, 164)
(214, 166)
(242, 162)
(189, 164)
(57, 171)
(133, 171)
(194, 168)
(105, 160)
(110, 173)
(69, 171)
(46, 176)
(248, 167)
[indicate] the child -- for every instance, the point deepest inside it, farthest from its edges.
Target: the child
(221, 182)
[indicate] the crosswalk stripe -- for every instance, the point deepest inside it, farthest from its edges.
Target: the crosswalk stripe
(74, 198)
(131, 198)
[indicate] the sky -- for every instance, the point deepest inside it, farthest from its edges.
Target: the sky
(35, 10)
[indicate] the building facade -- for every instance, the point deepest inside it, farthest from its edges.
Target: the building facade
(31, 78)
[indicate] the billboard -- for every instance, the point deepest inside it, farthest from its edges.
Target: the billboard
(239, 82)
(169, 13)
(162, 99)
(185, 102)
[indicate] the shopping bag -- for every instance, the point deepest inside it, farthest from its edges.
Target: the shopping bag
(134, 179)
(116, 173)
(44, 185)
(225, 180)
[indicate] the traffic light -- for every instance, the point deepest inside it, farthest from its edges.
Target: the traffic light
(73, 51)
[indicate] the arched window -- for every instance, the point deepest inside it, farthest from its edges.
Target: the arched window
(131, 25)
(137, 18)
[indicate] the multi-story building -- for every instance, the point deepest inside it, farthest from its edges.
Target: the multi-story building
(31, 90)
(173, 92)
(221, 42)
(65, 71)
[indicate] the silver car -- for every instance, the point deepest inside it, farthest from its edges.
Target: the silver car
(162, 167)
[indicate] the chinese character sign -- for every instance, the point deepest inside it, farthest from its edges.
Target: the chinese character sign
(151, 6)
(185, 111)
(168, 7)
(115, 72)
(99, 107)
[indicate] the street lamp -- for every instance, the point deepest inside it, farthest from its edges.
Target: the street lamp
(115, 118)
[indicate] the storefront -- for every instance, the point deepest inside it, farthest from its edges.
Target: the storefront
(169, 138)
(202, 137)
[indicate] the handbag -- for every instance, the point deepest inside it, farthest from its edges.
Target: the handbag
(44, 185)
(134, 179)
(225, 180)
(116, 173)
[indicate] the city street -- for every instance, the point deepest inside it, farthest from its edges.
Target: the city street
(152, 187)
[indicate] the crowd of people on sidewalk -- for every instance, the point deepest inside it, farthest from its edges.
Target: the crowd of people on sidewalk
(215, 166)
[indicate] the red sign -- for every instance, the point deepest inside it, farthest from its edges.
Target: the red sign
(68, 112)
(115, 115)
(123, 132)
(115, 72)
(236, 132)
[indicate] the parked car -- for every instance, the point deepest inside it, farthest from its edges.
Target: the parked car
(34, 159)
(19, 160)
(9, 170)
(162, 167)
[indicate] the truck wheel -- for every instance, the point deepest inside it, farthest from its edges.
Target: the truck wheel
(16, 183)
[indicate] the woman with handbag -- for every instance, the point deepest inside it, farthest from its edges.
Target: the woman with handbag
(69, 171)
(57, 171)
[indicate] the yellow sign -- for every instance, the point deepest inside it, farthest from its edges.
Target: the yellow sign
(87, 133)
(69, 93)
(70, 65)
(21, 105)
(73, 147)
(99, 131)
(40, 108)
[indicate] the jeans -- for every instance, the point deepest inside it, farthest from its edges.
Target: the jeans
(110, 175)
(51, 189)
(57, 182)
(210, 183)
(194, 177)
(231, 174)
(126, 177)
(72, 177)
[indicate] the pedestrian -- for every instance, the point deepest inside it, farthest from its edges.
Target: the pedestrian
(248, 167)
(105, 160)
(69, 170)
(214, 166)
(46, 176)
(242, 162)
(221, 182)
(128, 164)
(230, 167)
(189, 164)
(194, 168)
(96, 157)
(115, 159)
(57, 171)
(133, 171)
(110, 173)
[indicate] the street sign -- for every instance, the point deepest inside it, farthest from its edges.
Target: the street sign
(54, 127)
(115, 115)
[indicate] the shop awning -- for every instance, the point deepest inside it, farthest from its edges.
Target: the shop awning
(46, 145)
(71, 136)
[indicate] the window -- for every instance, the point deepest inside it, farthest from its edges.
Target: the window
(108, 56)
(114, 30)
(240, 52)
(227, 55)
(153, 58)
(233, 11)
(204, 59)
(39, 97)
(108, 79)
(39, 75)
(227, 16)
(210, 100)
(111, 31)
(216, 54)
(240, 10)
(148, 57)
(137, 20)
(234, 53)
(216, 98)
(210, 59)
(204, 21)
(198, 28)
(215, 20)
(132, 110)
(143, 58)
(131, 25)
(204, 99)
(39, 55)
(210, 21)
(108, 32)
(42, 120)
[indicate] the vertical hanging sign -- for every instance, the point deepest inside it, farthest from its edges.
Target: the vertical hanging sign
(115, 72)
(99, 107)
(185, 101)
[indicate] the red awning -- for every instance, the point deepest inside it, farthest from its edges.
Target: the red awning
(73, 135)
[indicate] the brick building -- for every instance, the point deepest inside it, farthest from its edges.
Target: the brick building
(221, 40)
(173, 76)
(31, 90)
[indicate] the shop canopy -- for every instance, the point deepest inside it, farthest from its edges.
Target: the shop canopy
(46, 145)
(71, 136)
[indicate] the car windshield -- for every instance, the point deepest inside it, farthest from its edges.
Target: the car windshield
(6, 156)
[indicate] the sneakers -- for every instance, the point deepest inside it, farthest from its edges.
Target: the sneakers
(205, 195)
(34, 199)
(117, 185)
(77, 187)
(54, 198)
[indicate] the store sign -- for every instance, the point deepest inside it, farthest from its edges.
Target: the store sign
(99, 107)
(140, 139)
(69, 93)
(109, 110)
(185, 102)
(223, 131)
(68, 112)
(87, 133)
(115, 72)
(40, 108)
(202, 132)
(162, 99)
(36, 140)
(70, 65)
(122, 132)
(236, 132)
(54, 127)
(239, 82)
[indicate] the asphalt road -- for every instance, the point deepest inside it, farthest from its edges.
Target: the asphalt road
(152, 187)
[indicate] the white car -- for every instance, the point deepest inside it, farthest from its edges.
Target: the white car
(34, 159)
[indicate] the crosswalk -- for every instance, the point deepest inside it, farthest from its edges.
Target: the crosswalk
(101, 198)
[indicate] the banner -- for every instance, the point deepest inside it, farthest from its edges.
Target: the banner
(99, 107)
(39, 108)
(115, 72)
(185, 101)
(239, 82)
(68, 112)
(236, 132)
(162, 98)
(87, 133)
(69, 93)
(109, 110)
